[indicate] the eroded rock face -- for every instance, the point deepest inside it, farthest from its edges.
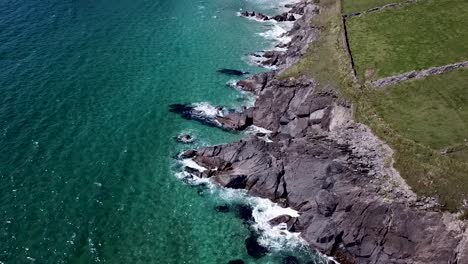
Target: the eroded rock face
(332, 170)
(342, 212)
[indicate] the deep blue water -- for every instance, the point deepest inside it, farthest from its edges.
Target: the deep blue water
(86, 160)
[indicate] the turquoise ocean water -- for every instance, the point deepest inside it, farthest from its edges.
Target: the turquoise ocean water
(86, 141)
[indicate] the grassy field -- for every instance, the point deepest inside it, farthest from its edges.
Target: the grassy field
(412, 37)
(351, 6)
(432, 111)
(428, 171)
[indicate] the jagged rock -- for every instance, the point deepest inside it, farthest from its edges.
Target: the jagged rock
(231, 181)
(326, 202)
(261, 16)
(280, 219)
(280, 18)
(187, 154)
(330, 169)
(235, 121)
(185, 138)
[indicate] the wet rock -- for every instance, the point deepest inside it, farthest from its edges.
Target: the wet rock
(185, 138)
(261, 16)
(187, 154)
(231, 181)
(235, 121)
(255, 15)
(191, 113)
(330, 169)
(280, 18)
(279, 219)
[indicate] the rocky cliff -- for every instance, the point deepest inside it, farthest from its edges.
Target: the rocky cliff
(353, 205)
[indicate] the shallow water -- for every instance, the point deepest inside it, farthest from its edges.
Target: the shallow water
(86, 167)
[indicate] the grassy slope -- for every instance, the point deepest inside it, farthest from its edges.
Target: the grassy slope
(427, 171)
(351, 6)
(432, 111)
(325, 60)
(412, 37)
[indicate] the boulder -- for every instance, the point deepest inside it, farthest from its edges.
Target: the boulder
(185, 138)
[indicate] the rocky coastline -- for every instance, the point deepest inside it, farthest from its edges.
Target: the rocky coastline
(314, 158)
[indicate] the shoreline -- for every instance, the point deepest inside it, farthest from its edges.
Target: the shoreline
(353, 205)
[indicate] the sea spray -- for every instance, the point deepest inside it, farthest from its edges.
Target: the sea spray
(207, 109)
(248, 97)
(275, 237)
(278, 32)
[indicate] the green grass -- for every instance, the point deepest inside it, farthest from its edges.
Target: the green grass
(325, 60)
(427, 171)
(432, 111)
(411, 37)
(352, 6)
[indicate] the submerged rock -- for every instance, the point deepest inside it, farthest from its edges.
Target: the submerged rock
(236, 261)
(254, 248)
(244, 212)
(232, 72)
(222, 208)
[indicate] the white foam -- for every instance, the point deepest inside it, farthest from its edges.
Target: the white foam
(273, 237)
(278, 32)
(193, 165)
(249, 97)
(258, 61)
(254, 130)
(232, 83)
(257, 129)
(207, 109)
(280, 49)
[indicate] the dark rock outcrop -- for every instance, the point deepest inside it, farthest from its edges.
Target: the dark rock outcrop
(304, 167)
(332, 170)
(256, 15)
(184, 138)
